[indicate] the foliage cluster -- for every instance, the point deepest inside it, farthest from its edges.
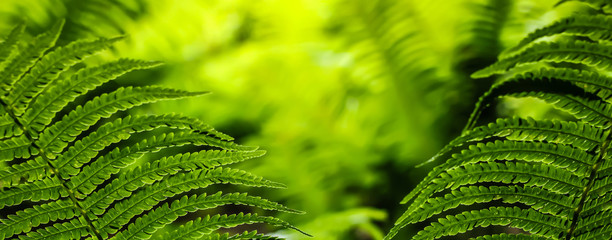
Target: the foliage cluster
(346, 96)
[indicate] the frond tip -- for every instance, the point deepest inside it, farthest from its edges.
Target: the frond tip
(68, 155)
(550, 179)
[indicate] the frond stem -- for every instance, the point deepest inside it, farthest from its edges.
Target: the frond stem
(53, 170)
(602, 155)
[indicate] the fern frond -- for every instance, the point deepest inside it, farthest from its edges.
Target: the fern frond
(16, 147)
(579, 93)
(20, 61)
(577, 134)
(504, 236)
(107, 165)
(597, 4)
(595, 27)
(29, 218)
(602, 187)
(244, 235)
(30, 170)
(48, 68)
(216, 236)
(94, 174)
(74, 229)
(562, 157)
(149, 173)
(529, 220)
(7, 46)
(86, 149)
(48, 188)
(599, 233)
(531, 175)
(55, 138)
(541, 200)
(144, 226)
(549, 178)
(588, 224)
(591, 54)
(41, 112)
(84, 19)
(144, 199)
(201, 228)
(74, 167)
(8, 128)
(598, 202)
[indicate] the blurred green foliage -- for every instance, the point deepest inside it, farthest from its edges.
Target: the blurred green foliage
(346, 96)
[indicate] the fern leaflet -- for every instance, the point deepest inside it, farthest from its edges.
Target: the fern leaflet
(65, 166)
(551, 179)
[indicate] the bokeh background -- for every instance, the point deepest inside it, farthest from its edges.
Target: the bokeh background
(347, 96)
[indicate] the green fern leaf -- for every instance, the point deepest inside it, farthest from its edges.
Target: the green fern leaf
(17, 147)
(55, 138)
(29, 218)
(551, 179)
(597, 4)
(31, 170)
(504, 236)
(541, 200)
(148, 223)
(48, 68)
(125, 210)
(7, 46)
(566, 89)
(149, 173)
(8, 128)
(529, 220)
(86, 149)
(94, 174)
(591, 54)
(578, 134)
(201, 226)
(595, 27)
(66, 166)
(75, 229)
(41, 112)
(48, 188)
(559, 156)
(20, 61)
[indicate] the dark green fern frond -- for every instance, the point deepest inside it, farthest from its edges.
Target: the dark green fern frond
(25, 56)
(40, 113)
(578, 52)
(187, 230)
(66, 171)
(551, 179)
(604, 5)
(577, 134)
(48, 68)
(596, 28)
(578, 92)
(7, 46)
